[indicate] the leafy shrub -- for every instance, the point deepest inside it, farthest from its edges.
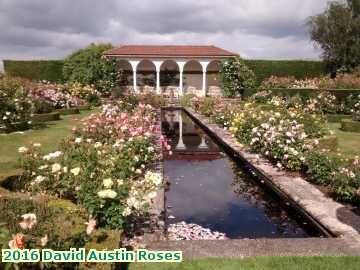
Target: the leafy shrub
(16, 107)
(320, 167)
(42, 106)
(236, 77)
(185, 100)
(346, 181)
(85, 92)
(88, 67)
(204, 105)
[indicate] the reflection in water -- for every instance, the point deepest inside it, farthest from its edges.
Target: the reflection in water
(209, 189)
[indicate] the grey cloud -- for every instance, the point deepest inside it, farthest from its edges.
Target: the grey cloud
(254, 28)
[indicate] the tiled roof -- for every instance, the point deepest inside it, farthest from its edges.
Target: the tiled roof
(169, 51)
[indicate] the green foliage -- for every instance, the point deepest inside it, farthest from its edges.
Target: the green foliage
(337, 32)
(41, 106)
(49, 70)
(236, 77)
(204, 105)
(300, 69)
(320, 167)
(185, 100)
(87, 66)
(15, 105)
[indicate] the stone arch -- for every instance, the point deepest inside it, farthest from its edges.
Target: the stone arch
(213, 79)
(146, 76)
(192, 76)
(169, 77)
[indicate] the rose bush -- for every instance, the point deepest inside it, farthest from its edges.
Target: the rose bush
(107, 166)
(55, 95)
(84, 92)
(16, 107)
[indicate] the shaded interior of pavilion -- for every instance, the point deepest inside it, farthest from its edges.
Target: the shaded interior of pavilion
(194, 79)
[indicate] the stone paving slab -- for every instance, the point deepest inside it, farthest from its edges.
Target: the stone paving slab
(259, 247)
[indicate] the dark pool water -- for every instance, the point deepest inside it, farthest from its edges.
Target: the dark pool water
(208, 188)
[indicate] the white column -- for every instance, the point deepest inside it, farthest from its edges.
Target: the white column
(134, 64)
(181, 65)
(180, 145)
(203, 144)
(158, 67)
(204, 65)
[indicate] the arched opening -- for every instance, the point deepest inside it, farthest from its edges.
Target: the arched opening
(169, 78)
(125, 80)
(192, 76)
(146, 76)
(213, 79)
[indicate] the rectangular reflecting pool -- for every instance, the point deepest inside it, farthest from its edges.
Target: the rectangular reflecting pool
(209, 188)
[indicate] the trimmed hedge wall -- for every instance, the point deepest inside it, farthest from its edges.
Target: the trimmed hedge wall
(349, 125)
(300, 69)
(50, 70)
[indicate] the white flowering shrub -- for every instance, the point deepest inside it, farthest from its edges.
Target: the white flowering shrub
(324, 102)
(16, 107)
(282, 134)
(355, 110)
(236, 77)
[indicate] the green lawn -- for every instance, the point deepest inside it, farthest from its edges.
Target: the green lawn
(49, 136)
(348, 142)
(259, 263)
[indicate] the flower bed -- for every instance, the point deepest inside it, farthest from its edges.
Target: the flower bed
(20, 99)
(342, 81)
(289, 134)
(107, 168)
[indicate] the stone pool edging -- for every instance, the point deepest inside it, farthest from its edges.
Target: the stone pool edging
(323, 210)
(157, 228)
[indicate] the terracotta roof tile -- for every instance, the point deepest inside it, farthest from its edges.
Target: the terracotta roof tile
(169, 51)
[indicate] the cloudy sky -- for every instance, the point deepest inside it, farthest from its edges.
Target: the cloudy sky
(254, 28)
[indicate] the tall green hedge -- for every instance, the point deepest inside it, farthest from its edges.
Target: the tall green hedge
(300, 69)
(50, 70)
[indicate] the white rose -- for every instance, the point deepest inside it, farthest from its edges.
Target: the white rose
(22, 149)
(39, 178)
(107, 193)
(55, 168)
(75, 171)
(108, 182)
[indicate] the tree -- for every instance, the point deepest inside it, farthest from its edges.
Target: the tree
(337, 33)
(236, 76)
(88, 66)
